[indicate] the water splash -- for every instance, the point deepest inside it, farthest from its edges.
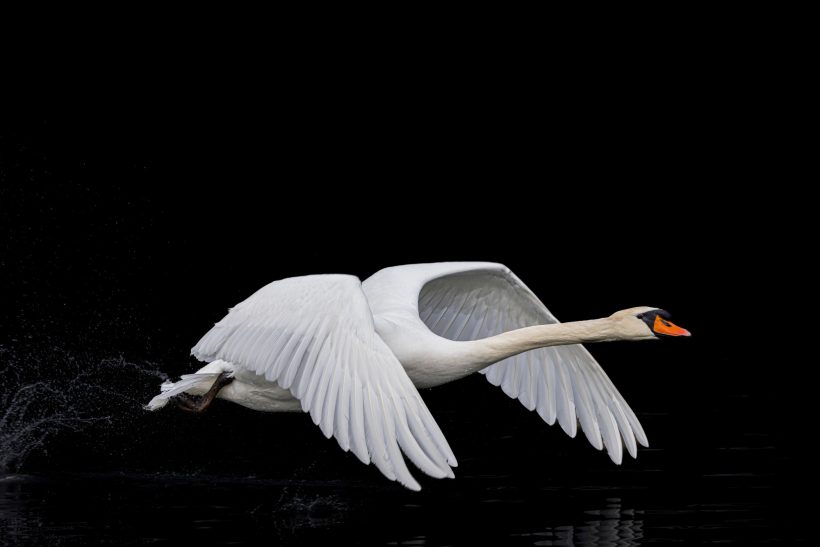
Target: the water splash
(46, 393)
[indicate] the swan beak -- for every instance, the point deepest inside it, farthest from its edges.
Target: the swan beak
(662, 326)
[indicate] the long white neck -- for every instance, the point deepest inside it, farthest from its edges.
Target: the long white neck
(507, 344)
(465, 358)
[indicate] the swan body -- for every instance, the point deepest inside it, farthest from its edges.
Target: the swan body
(353, 354)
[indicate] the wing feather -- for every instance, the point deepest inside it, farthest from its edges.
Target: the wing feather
(469, 301)
(341, 416)
(359, 442)
(315, 336)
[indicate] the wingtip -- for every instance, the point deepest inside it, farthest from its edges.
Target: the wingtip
(327, 429)
(632, 449)
(363, 457)
(569, 431)
(640, 434)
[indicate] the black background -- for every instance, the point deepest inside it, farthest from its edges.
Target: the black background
(128, 227)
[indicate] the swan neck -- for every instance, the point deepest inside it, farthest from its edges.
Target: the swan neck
(559, 334)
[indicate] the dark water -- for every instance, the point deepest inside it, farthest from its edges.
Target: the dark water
(130, 508)
(92, 467)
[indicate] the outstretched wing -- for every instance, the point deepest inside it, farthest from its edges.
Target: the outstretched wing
(469, 301)
(314, 335)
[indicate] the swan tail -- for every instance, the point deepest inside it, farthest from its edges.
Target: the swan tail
(198, 383)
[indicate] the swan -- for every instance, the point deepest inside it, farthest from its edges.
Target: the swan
(354, 354)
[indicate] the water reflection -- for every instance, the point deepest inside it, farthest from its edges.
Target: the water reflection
(162, 509)
(19, 518)
(613, 526)
(82, 509)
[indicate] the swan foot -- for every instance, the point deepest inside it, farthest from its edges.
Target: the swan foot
(197, 405)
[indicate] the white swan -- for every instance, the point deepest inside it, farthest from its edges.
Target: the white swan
(353, 353)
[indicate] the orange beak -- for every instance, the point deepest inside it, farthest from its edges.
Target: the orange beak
(662, 326)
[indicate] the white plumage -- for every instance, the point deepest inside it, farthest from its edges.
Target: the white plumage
(353, 353)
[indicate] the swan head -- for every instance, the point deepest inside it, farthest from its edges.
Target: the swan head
(645, 323)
